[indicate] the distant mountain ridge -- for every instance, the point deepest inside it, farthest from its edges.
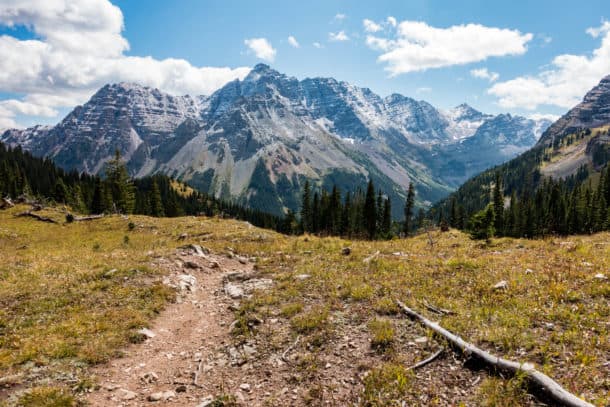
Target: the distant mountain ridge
(258, 140)
(575, 149)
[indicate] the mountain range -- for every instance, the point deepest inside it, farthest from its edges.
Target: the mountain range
(257, 140)
(575, 149)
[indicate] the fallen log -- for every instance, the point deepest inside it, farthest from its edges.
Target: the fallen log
(548, 386)
(86, 218)
(36, 216)
(6, 203)
(427, 360)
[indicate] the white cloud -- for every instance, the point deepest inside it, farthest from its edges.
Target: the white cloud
(339, 36)
(423, 89)
(317, 45)
(79, 47)
(293, 42)
(392, 21)
(483, 73)
(564, 83)
(543, 116)
(340, 16)
(418, 46)
(261, 48)
(371, 26)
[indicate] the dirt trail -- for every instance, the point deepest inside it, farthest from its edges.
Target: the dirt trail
(189, 336)
(193, 336)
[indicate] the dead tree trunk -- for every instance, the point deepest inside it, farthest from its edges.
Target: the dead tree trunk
(550, 387)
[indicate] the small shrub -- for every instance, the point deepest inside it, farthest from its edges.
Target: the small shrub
(46, 397)
(131, 226)
(310, 321)
(290, 310)
(382, 333)
(69, 218)
(386, 385)
(386, 306)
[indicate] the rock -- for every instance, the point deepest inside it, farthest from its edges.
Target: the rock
(191, 265)
(155, 396)
(529, 271)
(371, 257)
(147, 332)
(199, 251)
(258, 284)
(346, 251)
(214, 265)
(125, 394)
(181, 389)
(302, 277)
(207, 401)
(244, 387)
(421, 339)
(234, 291)
(600, 276)
(187, 282)
(162, 396)
(587, 264)
(150, 377)
(242, 259)
(501, 285)
(183, 236)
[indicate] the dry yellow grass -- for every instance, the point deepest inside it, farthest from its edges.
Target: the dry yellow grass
(61, 309)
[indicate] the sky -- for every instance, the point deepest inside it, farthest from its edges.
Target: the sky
(533, 58)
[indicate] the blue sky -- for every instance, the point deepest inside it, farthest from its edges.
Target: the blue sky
(520, 57)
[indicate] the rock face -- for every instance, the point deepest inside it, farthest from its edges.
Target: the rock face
(258, 140)
(592, 112)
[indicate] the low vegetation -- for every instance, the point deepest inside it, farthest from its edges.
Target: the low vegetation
(73, 295)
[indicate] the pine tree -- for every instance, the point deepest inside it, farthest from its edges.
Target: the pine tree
(315, 209)
(306, 216)
(409, 206)
(386, 225)
(370, 211)
(156, 204)
(61, 192)
(121, 186)
(498, 204)
(346, 229)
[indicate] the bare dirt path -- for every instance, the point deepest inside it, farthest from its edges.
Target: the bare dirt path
(191, 358)
(191, 337)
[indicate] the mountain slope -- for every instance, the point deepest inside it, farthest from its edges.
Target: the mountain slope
(574, 148)
(258, 139)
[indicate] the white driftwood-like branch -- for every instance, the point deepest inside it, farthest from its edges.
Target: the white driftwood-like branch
(551, 388)
(36, 216)
(427, 360)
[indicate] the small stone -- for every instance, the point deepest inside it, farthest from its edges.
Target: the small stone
(191, 265)
(234, 291)
(501, 285)
(147, 333)
(587, 264)
(168, 395)
(302, 277)
(155, 396)
(199, 251)
(328, 366)
(421, 339)
(244, 387)
(600, 276)
(346, 251)
(183, 236)
(529, 271)
(214, 265)
(181, 389)
(187, 282)
(125, 394)
(150, 377)
(205, 402)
